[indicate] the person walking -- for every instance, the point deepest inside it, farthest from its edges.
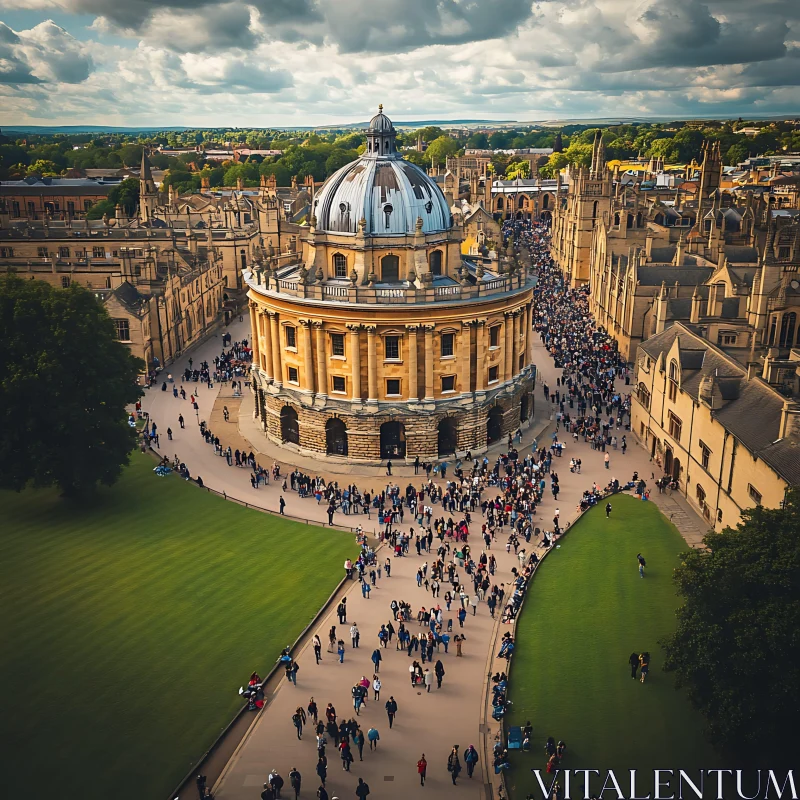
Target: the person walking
(313, 712)
(355, 635)
(317, 644)
(608, 510)
(458, 640)
(374, 738)
(282, 504)
(391, 710)
(358, 741)
(322, 793)
(428, 680)
(633, 660)
(607, 460)
(322, 769)
(454, 764)
(642, 564)
(470, 759)
(422, 769)
(376, 659)
(341, 611)
(180, 421)
(347, 756)
(295, 779)
(340, 650)
(439, 670)
(376, 687)
(362, 790)
(297, 721)
(644, 661)
(389, 468)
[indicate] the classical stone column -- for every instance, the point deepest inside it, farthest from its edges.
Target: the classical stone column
(508, 347)
(428, 362)
(254, 330)
(413, 388)
(529, 336)
(307, 383)
(480, 366)
(322, 359)
(465, 357)
(355, 360)
(266, 366)
(372, 364)
(277, 367)
(515, 342)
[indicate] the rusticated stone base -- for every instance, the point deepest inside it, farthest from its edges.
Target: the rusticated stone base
(467, 416)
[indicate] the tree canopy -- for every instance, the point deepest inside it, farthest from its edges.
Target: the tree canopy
(736, 650)
(65, 382)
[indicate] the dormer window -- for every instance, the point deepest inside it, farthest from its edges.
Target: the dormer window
(387, 213)
(429, 206)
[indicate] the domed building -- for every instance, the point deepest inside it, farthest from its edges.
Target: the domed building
(376, 339)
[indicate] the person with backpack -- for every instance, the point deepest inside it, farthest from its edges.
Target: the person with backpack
(454, 764)
(295, 780)
(471, 759)
(362, 790)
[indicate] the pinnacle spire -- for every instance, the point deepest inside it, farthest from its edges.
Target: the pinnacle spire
(145, 173)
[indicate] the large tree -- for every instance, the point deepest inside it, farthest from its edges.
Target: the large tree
(737, 646)
(65, 381)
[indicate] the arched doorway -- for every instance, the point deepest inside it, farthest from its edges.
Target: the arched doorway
(447, 437)
(390, 269)
(546, 217)
(524, 407)
(336, 437)
(676, 470)
(435, 262)
(494, 425)
(393, 440)
(668, 461)
(290, 427)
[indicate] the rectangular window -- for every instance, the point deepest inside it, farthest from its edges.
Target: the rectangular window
(675, 426)
(494, 336)
(87, 204)
(447, 344)
(393, 387)
(337, 344)
(123, 330)
(672, 390)
(448, 383)
(755, 495)
(31, 209)
(65, 281)
(493, 372)
(292, 372)
(392, 344)
(339, 384)
(70, 207)
(783, 253)
(98, 252)
(291, 336)
(705, 455)
(42, 252)
(6, 252)
(63, 252)
(726, 338)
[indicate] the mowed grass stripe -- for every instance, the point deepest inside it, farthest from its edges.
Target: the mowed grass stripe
(130, 621)
(586, 611)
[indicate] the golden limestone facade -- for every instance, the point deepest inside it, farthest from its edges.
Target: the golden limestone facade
(381, 341)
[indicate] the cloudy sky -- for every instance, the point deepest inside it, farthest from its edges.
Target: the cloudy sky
(313, 62)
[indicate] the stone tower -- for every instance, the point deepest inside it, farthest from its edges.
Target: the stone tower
(148, 195)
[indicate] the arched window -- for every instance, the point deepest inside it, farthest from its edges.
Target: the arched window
(393, 440)
(435, 262)
(494, 425)
(546, 201)
(773, 328)
(673, 380)
(616, 218)
(336, 437)
(290, 427)
(639, 220)
(630, 221)
(788, 324)
(500, 204)
(447, 437)
(390, 269)
(339, 266)
(522, 201)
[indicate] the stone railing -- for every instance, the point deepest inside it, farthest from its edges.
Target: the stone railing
(386, 295)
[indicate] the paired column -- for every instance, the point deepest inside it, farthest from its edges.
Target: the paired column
(515, 342)
(466, 357)
(277, 367)
(372, 364)
(428, 362)
(413, 387)
(508, 350)
(254, 318)
(480, 366)
(355, 360)
(529, 336)
(322, 358)
(308, 365)
(266, 358)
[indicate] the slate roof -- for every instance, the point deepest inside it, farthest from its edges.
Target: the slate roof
(741, 255)
(663, 255)
(688, 276)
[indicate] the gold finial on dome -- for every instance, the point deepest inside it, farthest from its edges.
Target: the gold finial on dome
(380, 108)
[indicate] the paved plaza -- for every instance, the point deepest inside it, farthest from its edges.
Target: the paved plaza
(426, 723)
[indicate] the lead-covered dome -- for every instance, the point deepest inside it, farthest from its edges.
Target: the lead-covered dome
(387, 191)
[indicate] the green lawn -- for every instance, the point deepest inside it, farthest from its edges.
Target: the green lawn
(129, 622)
(587, 610)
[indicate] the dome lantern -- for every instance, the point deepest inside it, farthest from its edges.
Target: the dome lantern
(381, 136)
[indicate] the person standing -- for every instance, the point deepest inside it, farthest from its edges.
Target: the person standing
(644, 661)
(358, 741)
(642, 564)
(282, 504)
(422, 769)
(376, 659)
(180, 421)
(439, 670)
(389, 468)
(295, 780)
(428, 680)
(470, 759)
(362, 790)
(317, 644)
(376, 687)
(355, 635)
(633, 660)
(297, 721)
(454, 764)
(312, 710)
(391, 710)
(340, 650)
(201, 785)
(607, 460)
(608, 510)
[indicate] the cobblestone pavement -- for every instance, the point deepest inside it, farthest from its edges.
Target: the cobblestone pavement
(429, 723)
